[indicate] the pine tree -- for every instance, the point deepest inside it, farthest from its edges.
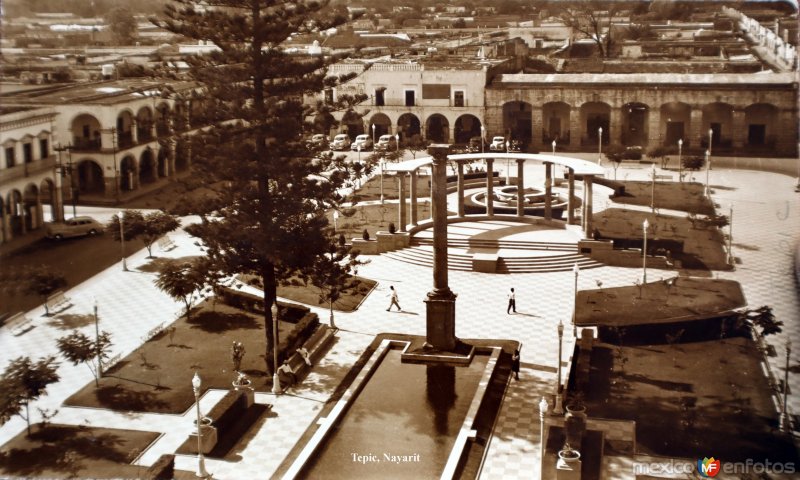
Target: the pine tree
(271, 199)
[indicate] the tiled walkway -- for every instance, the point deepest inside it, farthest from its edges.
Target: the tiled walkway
(766, 226)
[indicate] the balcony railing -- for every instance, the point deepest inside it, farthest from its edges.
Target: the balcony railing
(27, 169)
(86, 144)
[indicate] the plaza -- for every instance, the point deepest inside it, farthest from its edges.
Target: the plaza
(765, 225)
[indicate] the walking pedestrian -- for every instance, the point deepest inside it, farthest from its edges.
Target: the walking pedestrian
(394, 300)
(515, 364)
(512, 302)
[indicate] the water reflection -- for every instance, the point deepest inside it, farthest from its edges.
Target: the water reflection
(441, 389)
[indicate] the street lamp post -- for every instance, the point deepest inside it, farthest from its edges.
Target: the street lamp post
(543, 406)
(554, 147)
(483, 137)
(710, 139)
(680, 164)
(708, 166)
(381, 164)
(645, 225)
(558, 410)
(335, 219)
(201, 462)
(276, 381)
(785, 424)
(397, 143)
(730, 237)
(575, 270)
(653, 191)
(599, 144)
(508, 167)
(373, 135)
(97, 341)
(122, 240)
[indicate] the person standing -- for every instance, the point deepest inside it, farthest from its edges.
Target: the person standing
(515, 363)
(512, 302)
(394, 300)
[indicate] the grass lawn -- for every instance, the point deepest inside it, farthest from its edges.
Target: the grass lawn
(658, 303)
(702, 247)
(66, 451)
(374, 218)
(157, 376)
(690, 399)
(309, 295)
(687, 196)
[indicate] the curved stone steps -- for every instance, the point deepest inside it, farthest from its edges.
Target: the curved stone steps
(498, 244)
(423, 256)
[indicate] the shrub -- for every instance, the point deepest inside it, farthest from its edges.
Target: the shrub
(365, 234)
(693, 162)
(300, 333)
(228, 411)
(392, 228)
(163, 469)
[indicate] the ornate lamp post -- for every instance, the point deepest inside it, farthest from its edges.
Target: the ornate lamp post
(554, 147)
(373, 135)
(785, 423)
(508, 166)
(122, 240)
(543, 406)
(276, 381)
(730, 237)
(575, 270)
(558, 410)
(201, 462)
(397, 142)
(599, 144)
(483, 137)
(645, 225)
(680, 164)
(708, 166)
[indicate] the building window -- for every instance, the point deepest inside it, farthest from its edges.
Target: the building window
(10, 160)
(458, 98)
(409, 98)
(379, 100)
(44, 148)
(27, 152)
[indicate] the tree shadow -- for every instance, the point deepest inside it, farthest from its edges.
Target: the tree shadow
(71, 321)
(117, 397)
(217, 322)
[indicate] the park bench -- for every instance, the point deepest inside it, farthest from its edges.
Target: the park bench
(19, 324)
(166, 244)
(315, 344)
(57, 302)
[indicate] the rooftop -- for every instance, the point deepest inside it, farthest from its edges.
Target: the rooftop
(101, 93)
(627, 79)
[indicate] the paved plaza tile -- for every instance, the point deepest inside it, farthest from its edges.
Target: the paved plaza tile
(766, 226)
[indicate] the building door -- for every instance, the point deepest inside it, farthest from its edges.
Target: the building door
(757, 135)
(674, 133)
(716, 128)
(554, 128)
(409, 98)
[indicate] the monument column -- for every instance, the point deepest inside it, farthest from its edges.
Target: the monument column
(413, 188)
(441, 301)
(571, 200)
(460, 170)
(490, 187)
(548, 191)
(520, 188)
(401, 187)
(587, 202)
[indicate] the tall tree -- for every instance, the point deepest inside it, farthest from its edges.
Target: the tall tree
(271, 222)
(23, 382)
(333, 273)
(79, 348)
(148, 228)
(182, 281)
(592, 19)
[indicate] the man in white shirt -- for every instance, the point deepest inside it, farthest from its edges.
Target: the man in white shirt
(512, 303)
(394, 300)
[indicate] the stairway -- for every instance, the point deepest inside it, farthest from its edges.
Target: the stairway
(420, 252)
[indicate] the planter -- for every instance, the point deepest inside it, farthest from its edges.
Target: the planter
(206, 421)
(569, 455)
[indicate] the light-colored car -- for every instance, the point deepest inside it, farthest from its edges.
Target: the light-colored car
(386, 143)
(362, 140)
(340, 142)
(74, 227)
(498, 144)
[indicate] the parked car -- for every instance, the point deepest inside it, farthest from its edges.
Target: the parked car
(74, 227)
(476, 145)
(633, 153)
(498, 144)
(364, 141)
(515, 146)
(340, 142)
(386, 143)
(319, 140)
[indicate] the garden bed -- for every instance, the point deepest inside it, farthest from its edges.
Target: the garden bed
(157, 376)
(67, 451)
(686, 196)
(296, 291)
(374, 218)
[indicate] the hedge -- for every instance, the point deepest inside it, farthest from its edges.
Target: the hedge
(163, 469)
(228, 411)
